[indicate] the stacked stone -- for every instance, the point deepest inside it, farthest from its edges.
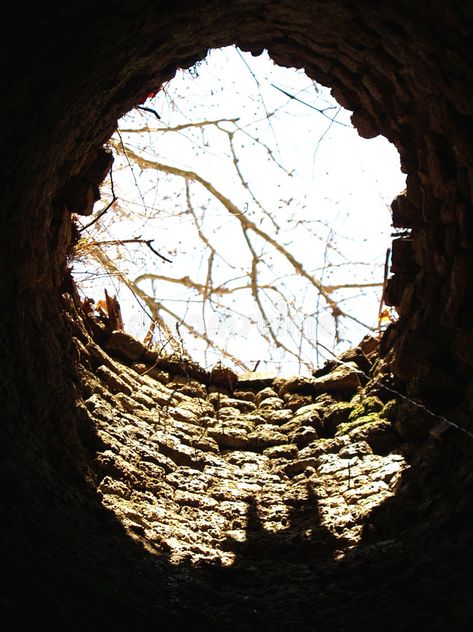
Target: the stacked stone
(198, 465)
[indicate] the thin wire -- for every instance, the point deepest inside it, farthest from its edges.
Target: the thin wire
(401, 395)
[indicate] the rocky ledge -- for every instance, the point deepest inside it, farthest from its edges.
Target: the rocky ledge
(201, 466)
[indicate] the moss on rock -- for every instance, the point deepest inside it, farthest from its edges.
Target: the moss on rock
(365, 406)
(346, 428)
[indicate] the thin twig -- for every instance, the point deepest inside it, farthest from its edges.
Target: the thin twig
(146, 109)
(119, 242)
(148, 242)
(103, 211)
(312, 107)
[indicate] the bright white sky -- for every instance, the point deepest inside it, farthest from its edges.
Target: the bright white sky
(326, 188)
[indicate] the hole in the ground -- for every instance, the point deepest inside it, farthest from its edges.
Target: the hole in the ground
(252, 222)
(65, 553)
(209, 466)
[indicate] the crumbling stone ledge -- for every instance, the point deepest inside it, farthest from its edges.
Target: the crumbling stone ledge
(188, 454)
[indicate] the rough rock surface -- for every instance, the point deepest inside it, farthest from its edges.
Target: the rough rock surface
(277, 500)
(187, 473)
(69, 71)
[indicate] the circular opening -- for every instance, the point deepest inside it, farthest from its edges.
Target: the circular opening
(402, 73)
(248, 209)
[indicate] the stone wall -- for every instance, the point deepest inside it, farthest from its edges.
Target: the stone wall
(69, 71)
(402, 74)
(186, 454)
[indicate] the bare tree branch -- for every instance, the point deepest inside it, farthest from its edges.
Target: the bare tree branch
(176, 128)
(245, 222)
(312, 107)
(290, 280)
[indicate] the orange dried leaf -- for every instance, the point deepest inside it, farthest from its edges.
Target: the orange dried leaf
(385, 317)
(102, 306)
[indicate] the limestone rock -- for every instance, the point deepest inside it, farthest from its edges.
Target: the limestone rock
(156, 374)
(298, 466)
(324, 446)
(227, 413)
(343, 380)
(125, 346)
(378, 433)
(220, 400)
(230, 438)
(310, 416)
(294, 401)
(256, 380)
(114, 382)
(265, 393)
(249, 396)
(222, 376)
(282, 451)
(277, 417)
(303, 436)
(243, 405)
(364, 406)
(188, 387)
(265, 436)
(271, 403)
